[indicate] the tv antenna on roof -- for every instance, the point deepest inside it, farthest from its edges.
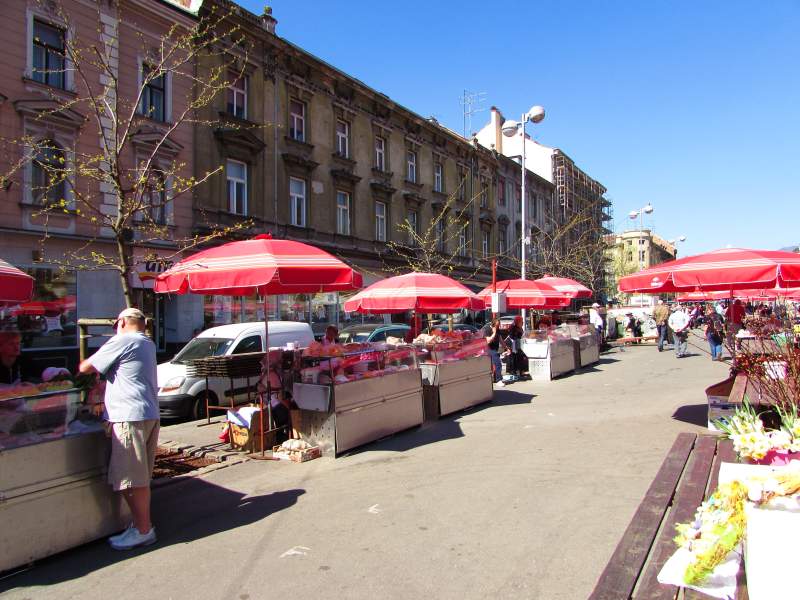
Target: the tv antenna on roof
(471, 104)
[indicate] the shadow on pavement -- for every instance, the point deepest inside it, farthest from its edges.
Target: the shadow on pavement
(182, 513)
(444, 428)
(696, 414)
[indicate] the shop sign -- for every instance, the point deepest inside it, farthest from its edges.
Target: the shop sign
(144, 272)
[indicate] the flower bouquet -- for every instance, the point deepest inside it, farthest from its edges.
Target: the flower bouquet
(756, 444)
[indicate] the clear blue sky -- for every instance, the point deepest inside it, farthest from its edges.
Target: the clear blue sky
(692, 106)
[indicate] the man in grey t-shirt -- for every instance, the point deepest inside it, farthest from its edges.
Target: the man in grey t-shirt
(128, 362)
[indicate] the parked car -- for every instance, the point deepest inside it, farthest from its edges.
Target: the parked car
(373, 332)
(181, 396)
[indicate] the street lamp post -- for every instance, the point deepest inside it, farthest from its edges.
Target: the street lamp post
(648, 209)
(510, 129)
(674, 244)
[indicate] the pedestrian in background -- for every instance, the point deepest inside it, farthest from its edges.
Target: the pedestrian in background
(679, 323)
(491, 331)
(596, 321)
(515, 357)
(714, 333)
(661, 315)
(128, 362)
(734, 321)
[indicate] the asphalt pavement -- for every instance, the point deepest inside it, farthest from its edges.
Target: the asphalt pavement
(524, 497)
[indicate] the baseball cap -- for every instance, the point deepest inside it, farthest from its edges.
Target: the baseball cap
(595, 305)
(131, 313)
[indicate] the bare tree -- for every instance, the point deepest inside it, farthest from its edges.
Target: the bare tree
(122, 194)
(443, 246)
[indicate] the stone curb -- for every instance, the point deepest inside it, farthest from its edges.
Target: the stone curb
(222, 459)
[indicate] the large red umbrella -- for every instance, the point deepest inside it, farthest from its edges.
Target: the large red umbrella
(262, 266)
(15, 286)
(568, 287)
(725, 269)
(418, 292)
(527, 293)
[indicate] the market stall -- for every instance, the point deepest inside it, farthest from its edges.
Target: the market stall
(53, 461)
(456, 371)
(550, 352)
(352, 394)
(263, 266)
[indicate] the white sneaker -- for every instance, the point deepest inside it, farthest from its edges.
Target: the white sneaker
(133, 539)
(119, 536)
(500, 384)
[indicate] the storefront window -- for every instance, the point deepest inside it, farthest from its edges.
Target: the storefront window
(49, 320)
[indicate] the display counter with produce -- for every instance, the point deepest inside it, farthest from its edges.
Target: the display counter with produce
(53, 461)
(456, 371)
(352, 394)
(550, 352)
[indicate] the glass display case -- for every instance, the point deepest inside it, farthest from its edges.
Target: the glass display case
(585, 344)
(40, 413)
(550, 352)
(352, 394)
(456, 372)
(53, 461)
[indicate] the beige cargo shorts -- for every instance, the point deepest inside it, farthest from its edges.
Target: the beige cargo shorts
(133, 453)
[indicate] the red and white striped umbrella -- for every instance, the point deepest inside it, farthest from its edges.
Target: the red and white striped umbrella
(15, 286)
(725, 269)
(567, 286)
(259, 266)
(418, 292)
(757, 295)
(527, 293)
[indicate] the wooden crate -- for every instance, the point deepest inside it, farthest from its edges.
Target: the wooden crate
(249, 439)
(297, 455)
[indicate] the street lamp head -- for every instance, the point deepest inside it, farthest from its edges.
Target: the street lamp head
(648, 209)
(536, 114)
(510, 128)
(633, 214)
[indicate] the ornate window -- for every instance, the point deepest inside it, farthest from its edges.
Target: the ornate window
(48, 174)
(236, 173)
(342, 213)
(297, 120)
(380, 221)
(154, 94)
(48, 54)
(380, 153)
(343, 138)
(438, 177)
(237, 94)
(411, 166)
(297, 202)
(155, 201)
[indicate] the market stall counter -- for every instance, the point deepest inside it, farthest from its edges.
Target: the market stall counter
(456, 371)
(585, 346)
(352, 394)
(53, 461)
(550, 352)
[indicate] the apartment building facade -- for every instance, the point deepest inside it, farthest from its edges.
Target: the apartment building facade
(44, 102)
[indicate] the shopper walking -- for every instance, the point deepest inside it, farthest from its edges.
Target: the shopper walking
(679, 323)
(713, 333)
(491, 331)
(515, 357)
(596, 320)
(661, 315)
(128, 362)
(734, 321)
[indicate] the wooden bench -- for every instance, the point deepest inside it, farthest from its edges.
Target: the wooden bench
(687, 476)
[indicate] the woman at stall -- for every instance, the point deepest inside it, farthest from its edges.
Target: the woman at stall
(515, 357)
(11, 372)
(331, 336)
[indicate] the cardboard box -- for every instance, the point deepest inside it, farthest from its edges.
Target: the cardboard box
(249, 439)
(297, 455)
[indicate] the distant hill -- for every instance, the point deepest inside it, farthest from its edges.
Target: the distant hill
(795, 248)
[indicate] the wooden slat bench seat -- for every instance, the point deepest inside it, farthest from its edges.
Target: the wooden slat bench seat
(688, 475)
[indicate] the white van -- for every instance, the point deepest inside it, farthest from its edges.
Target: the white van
(182, 396)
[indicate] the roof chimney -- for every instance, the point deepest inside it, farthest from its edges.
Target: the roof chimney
(497, 121)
